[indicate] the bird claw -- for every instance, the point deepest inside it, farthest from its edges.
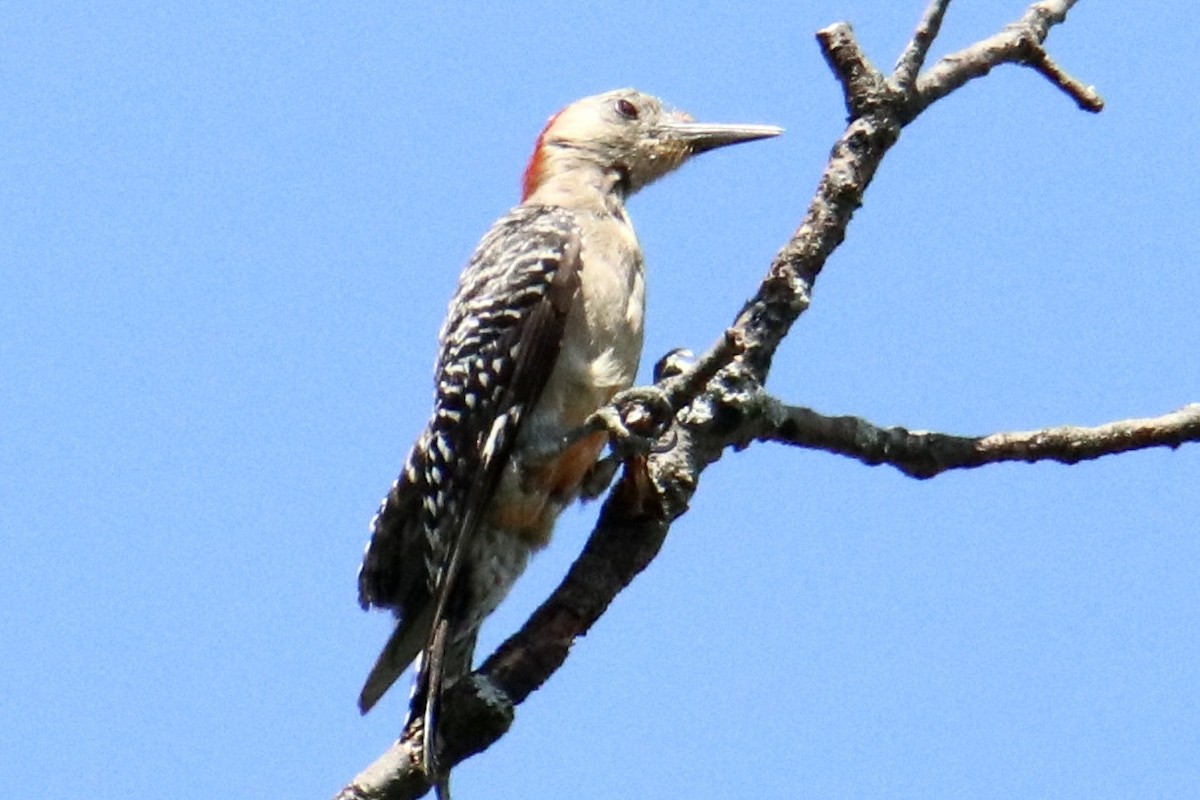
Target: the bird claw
(673, 364)
(636, 420)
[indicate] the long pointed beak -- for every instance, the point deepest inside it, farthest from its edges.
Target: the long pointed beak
(702, 136)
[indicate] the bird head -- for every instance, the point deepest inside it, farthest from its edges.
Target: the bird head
(629, 138)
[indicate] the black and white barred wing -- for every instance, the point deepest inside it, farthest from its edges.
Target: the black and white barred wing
(498, 346)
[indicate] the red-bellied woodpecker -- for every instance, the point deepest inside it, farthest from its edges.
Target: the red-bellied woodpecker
(546, 326)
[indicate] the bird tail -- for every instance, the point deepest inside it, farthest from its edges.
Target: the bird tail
(405, 643)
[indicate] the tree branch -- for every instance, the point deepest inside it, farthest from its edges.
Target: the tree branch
(913, 58)
(1086, 97)
(714, 398)
(1019, 43)
(924, 454)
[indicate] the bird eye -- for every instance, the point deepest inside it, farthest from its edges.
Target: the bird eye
(626, 109)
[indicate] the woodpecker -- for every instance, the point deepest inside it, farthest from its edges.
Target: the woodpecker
(544, 329)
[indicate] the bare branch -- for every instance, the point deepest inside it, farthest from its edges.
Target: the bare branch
(395, 775)
(923, 454)
(681, 387)
(475, 714)
(1086, 97)
(863, 86)
(1019, 43)
(785, 292)
(908, 66)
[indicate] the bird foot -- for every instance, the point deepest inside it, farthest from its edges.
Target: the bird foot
(636, 421)
(673, 364)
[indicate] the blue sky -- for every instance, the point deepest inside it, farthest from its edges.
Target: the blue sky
(227, 237)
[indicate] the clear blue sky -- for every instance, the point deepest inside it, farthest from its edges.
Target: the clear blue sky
(227, 237)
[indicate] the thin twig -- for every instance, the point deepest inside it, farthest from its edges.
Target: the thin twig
(908, 66)
(1013, 45)
(1086, 97)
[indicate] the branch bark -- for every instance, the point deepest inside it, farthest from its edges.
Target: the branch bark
(924, 454)
(719, 401)
(1020, 43)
